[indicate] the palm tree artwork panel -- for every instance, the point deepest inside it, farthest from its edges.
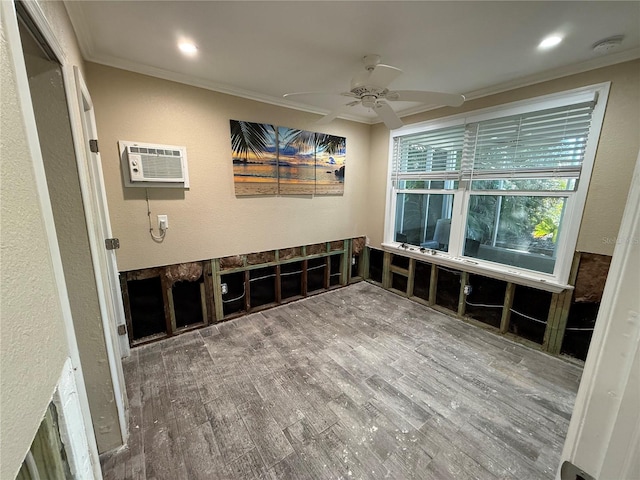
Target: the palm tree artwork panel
(270, 160)
(331, 152)
(296, 161)
(255, 158)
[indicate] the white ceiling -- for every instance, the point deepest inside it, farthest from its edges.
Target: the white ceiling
(263, 49)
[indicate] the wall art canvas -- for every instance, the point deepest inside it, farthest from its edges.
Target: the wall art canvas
(296, 162)
(330, 164)
(255, 158)
(269, 160)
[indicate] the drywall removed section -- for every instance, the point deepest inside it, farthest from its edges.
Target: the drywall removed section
(208, 220)
(549, 321)
(166, 301)
(615, 158)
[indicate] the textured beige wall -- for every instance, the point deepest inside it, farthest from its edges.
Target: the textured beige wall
(207, 220)
(54, 132)
(615, 159)
(33, 346)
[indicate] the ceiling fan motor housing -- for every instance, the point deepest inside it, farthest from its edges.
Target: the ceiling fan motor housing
(369, 101)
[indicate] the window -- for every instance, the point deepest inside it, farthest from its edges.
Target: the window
(500, 187)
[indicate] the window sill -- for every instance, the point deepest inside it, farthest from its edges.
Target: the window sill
(500, 272)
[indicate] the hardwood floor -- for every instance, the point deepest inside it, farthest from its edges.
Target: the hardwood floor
(353, 383)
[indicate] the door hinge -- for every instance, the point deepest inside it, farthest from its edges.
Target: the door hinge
(112, 243)
(122, 329)
(93, 146)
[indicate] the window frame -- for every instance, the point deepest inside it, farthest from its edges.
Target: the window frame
(574, 205)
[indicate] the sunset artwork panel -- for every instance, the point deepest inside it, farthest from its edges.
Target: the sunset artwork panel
(330, 159)
(255, 158)
(269, 160)
(296, 161)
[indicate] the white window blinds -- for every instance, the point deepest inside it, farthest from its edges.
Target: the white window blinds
(431, 154)
(543, 143)
(550, 142)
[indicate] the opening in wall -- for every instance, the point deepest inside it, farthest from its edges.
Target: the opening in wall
(263, 282)
(529, 313)
(485, 299)
(316, 270)
(47, 457)
(376, 259)
(188, 303)
(233, 301)
(448, 292)
(147, 308)
(422, 281)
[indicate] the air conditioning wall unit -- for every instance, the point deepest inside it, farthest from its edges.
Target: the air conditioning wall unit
(153, 165)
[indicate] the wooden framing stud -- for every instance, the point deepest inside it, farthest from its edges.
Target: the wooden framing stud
(433, 284)
(462, 304)
(411, 277)
(217, 290)
(386, 270)
(364, 263)
(506, 309)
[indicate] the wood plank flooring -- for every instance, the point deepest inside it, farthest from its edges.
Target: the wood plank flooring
(354, 383)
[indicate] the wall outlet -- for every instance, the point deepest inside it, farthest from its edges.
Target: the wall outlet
(224, 288)
(163, 222)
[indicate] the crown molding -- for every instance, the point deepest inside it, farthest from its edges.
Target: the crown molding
(80, 27)
(87, 48)
(545, 76)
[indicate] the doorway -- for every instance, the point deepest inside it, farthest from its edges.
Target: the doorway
(102, 372)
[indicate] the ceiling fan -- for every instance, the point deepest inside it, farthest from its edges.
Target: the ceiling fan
(369, 88)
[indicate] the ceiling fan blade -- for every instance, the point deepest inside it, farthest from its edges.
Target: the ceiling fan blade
(433, 98)
(387, 115)
(305, 94)
(382, 75)
(335, 113)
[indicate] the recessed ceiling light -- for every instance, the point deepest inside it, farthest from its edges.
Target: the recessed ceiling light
(550, 42)
(188, 48)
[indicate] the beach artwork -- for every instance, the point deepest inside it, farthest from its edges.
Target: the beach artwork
(330, 159)
(255, 158)
(270, 160)
(296, 162)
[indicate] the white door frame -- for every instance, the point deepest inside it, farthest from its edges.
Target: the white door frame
(99, 216)
(99, 228)
(96, 213)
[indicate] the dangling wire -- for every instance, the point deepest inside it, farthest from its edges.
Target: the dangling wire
(156, 238)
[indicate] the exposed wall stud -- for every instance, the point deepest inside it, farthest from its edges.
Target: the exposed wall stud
(411, 277)
(462, 304)
(217, 290)
(433, 284)
(386, 270)
(506, 310)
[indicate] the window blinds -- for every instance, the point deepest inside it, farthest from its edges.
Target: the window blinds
(431, 154)
(550, 142)
(535, 144)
